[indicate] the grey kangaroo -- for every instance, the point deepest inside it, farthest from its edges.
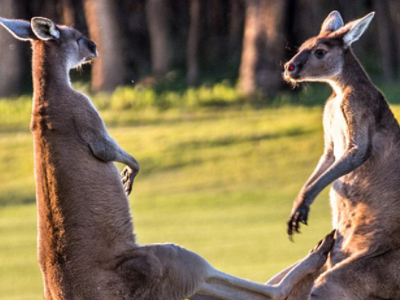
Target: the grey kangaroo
(86, 245)
(362, 161)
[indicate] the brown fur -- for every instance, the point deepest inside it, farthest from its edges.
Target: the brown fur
(362, 161)
(86, 247)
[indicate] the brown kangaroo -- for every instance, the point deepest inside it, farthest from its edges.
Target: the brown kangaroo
(362, 161)
(86, 245)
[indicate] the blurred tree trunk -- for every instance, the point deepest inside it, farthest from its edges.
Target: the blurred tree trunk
(193, 42)
(108, 70)
(299, 19)
(350, 11)
(215, 37)
(385, 39)
(71, 14)
(157, 20)
(67, 12)
(10, 55)
(263, 47)
(394, 9)
(136, 39)
(235, 24)
(48, 9)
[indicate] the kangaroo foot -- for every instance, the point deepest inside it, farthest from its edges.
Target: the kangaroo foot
(127, 179)
(319, 253)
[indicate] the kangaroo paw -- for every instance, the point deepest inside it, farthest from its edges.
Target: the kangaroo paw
(127, 179)
(325, 245)
(321, 251)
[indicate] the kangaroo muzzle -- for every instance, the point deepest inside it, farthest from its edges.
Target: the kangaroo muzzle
(294, 66)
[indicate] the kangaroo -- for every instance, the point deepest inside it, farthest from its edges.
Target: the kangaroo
(86, 245)
(362, 161)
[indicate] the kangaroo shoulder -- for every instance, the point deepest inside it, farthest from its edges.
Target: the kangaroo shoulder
(88, 122)
(84, 110)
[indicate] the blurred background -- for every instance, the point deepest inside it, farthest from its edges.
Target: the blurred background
(193, 89)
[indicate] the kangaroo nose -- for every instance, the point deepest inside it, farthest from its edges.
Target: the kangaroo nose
(292, 67)
(292, 70)
(92, 46)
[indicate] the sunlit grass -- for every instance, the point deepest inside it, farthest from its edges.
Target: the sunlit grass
(218, 182)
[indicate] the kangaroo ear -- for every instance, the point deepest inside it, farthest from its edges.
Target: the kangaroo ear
(332, 22)
(356, 29)
(45, 29)
(19, 29)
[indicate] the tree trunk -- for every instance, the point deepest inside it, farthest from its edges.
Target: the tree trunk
(10, 55)
(108, 70)
(138, 56)
(193, 42)
(263, 47)
(385, 38)
(304, 20)
(235, 25)
(394, 8)
(157, 20)
(67, 10)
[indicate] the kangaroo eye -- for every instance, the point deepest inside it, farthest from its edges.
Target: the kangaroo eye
(320, 53)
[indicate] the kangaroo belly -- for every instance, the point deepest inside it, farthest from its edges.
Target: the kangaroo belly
(365, 210)
(84, 219)
(88, 190)
(64, 164)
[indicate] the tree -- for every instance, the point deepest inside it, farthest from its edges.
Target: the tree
(385, 39)
(157, 21)
(192, 76)
(10, 60)
(236, 21)
(299, 15)
(394, 12)
(263, 47)
(108, 69)
(136, 35)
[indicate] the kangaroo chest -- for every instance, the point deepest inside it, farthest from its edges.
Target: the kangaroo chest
(337, 136)
(335, 126)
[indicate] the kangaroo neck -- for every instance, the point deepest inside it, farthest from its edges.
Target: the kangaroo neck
(353, 76)
(50, 73)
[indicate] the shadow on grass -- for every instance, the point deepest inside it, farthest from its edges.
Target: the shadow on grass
(117, 119)
(15, 198)
(233, 140)
(132, 118)
(151, 166)
(15, 129)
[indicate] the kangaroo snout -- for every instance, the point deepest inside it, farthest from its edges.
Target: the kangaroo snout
(295, 65)
(292, 70)
(93, 47)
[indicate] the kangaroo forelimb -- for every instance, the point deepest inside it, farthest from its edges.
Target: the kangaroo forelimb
(351, 159)
(106, 149)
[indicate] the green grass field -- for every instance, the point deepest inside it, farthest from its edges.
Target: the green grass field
(218, 182)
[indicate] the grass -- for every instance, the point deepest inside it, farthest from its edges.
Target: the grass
(218, 182)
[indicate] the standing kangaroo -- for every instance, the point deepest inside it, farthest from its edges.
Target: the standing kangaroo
(362, 161)
(86, 245)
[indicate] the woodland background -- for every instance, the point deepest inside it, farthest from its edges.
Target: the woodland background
(180, 43)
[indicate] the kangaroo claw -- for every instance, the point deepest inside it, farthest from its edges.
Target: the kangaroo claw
(128, 177)
(299, 216)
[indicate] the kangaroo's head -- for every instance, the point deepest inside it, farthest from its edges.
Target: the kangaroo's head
(321, 58)
(72, 47)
